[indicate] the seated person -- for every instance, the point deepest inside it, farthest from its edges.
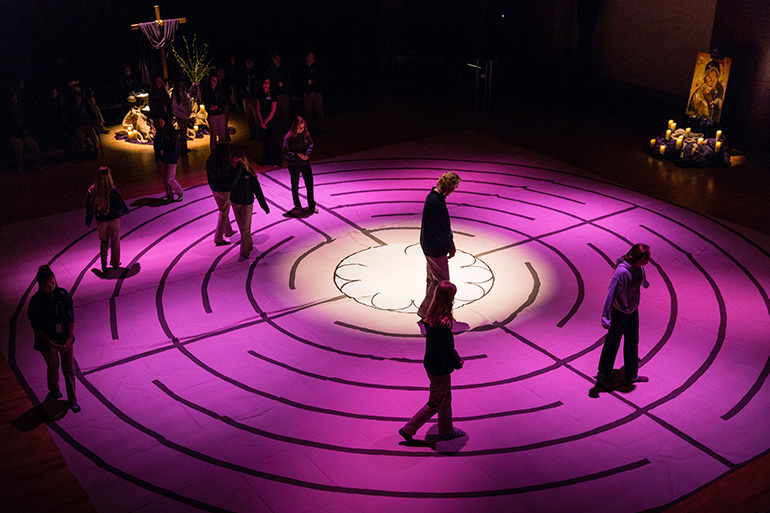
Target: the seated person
(17, 135)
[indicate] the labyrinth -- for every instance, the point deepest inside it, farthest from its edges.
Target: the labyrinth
(278, 384)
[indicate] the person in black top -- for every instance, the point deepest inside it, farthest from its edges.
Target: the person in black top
(158, 100)
(440, 361)
(268, 126)
(245, 187)
(297, 146)
(220, 182)
(312, 93)
(166, 144)
(436, 236)
(251, 87)
(106, 204)
(216, 100)
(279, 84)
(52, 315)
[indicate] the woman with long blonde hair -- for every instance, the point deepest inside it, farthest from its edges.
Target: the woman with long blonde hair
(105, 203)
(440, 361)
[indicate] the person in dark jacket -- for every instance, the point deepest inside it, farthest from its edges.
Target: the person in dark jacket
(166, 144)
(297, 146)
(52, 315)
(436, 237)
(440, 361)
(220, 182)
(105, 203)
(245, 187)
(268, 126)
(216, 100)
(158, 100)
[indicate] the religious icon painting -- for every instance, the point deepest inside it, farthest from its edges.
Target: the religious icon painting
(709, 82)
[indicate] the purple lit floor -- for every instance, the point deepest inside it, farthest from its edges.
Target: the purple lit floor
(279, 383)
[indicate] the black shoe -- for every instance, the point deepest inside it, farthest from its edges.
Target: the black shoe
(57, 394)
(294, 212)
(222, 243)
(604, 380)
(407, 437)
(75, 407)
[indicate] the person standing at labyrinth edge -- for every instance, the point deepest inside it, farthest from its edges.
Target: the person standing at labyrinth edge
(436, 237)
(297, 146)
(621, 316)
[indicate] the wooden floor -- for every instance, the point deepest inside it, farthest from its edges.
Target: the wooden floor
(605, 139)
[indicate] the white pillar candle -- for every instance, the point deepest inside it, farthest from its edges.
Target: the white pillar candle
(700, 141)
(668, 134)
(719, 135)
(679, 142)
(687, 131)
(670, 122)
(673, 126)
(652, 143)
(662, 149)
(719, 146)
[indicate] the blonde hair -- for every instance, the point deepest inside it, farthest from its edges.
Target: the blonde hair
(448, 181)
(100, 191)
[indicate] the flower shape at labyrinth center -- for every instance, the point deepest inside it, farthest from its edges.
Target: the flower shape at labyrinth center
(392, 277)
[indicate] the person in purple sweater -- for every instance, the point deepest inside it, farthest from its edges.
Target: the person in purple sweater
(621, 315)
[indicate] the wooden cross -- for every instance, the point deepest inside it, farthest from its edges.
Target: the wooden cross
(159, 21)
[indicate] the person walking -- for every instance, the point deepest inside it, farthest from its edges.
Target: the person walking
(245, 187)
(441, 359)
(166, 144)
(436, 238)
(220, 182)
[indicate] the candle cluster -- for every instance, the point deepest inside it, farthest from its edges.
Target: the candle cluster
(689, 147)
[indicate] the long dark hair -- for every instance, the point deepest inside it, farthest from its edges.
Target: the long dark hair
(100, 191)
(440, 309)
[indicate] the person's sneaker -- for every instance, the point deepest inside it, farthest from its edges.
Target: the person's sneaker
(407, 437)
(638, 379)
(457, 433)
(241, 258)
(179, 198)
(75, 407)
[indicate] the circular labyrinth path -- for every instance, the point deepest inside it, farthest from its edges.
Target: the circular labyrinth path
(279, 383)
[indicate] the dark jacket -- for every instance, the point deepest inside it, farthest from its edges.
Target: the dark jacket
(436, 230)
(118, 208)
(47, 312)
(440, 355)
(245, 187)
(166, 144)
(293, 146)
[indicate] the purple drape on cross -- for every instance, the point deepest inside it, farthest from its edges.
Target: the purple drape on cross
(153, 32)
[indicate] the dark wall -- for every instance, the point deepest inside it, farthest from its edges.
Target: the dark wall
(742, 32)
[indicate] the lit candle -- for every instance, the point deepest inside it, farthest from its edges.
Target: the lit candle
(670, 122)
(719, 145)
(196, 128)
(719, 135)
(668, 134)
(679, 142)
(652, 143)
(687, 131)
(673, 126)
(662, 149)
(700, 140)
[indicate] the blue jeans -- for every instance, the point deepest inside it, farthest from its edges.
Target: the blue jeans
(626, 326)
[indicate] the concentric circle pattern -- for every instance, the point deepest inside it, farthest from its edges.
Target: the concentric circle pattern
(279, 383)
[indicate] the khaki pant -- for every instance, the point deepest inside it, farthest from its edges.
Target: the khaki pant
(242, 215)
(438, 271)
(223, 221)
(68, 369)
(109, 238)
